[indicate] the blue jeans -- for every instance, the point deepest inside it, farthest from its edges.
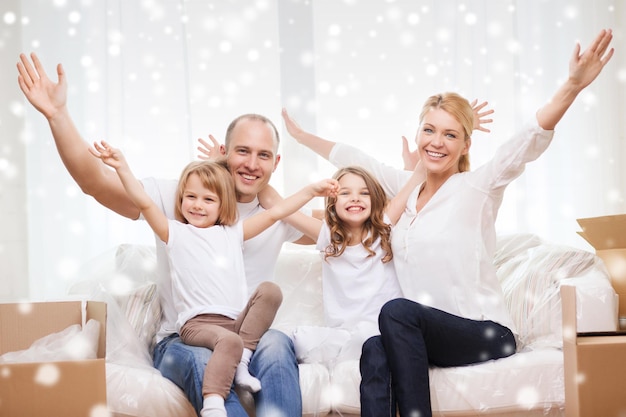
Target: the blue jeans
(273, 363)
(394, 366)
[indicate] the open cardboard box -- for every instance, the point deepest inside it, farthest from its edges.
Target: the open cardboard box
(594, 366)
(65, 388)
(607, 234)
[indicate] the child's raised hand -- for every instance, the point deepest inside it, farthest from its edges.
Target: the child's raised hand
(209, 151)
(109, 155)
(325, 188)
(480, 116)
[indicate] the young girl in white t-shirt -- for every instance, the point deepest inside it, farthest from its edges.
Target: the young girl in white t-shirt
(204, 246)
(358, 276)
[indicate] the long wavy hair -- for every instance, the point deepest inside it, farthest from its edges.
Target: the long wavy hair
(459, 108)
(215, 176)
(373, 228)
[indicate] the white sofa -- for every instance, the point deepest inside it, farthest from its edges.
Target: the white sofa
(529, 383)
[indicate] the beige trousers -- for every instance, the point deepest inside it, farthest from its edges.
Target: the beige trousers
(227, 337)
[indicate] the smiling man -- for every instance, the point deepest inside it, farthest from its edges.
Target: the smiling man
(251, 148)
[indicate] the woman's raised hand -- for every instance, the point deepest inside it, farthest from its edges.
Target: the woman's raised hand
(585, 67)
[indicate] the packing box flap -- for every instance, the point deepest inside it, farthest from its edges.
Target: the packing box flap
(23, 323)
(69, 388)
(606, 232)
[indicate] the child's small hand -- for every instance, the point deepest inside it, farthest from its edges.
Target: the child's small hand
(209, 151)
(479, 115)
(109, 155)
(326, 188)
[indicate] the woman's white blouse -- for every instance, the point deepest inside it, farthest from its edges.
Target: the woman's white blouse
(444, 254)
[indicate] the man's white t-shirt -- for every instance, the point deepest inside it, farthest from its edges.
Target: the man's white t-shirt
(259, 253)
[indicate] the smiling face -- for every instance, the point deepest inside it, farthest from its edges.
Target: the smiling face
(251, 153)
(442, 142)
(353, 205)
(199, 206)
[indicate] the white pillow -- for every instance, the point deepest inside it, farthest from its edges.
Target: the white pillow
(530, 272)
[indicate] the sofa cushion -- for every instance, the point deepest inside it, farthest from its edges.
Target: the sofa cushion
(531, 272)
(135, 264)
(299, 274)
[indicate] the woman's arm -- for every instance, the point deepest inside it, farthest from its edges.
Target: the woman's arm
(318, 145)
(583, 69)
(133, 188)
(343, 155)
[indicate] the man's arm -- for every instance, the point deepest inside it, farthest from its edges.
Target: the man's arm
(91, 174)
(318, 145)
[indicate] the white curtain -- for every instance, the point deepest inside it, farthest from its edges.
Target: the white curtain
(151, 76)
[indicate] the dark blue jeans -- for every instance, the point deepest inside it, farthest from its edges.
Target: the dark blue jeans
(273, 363)
(394, 366)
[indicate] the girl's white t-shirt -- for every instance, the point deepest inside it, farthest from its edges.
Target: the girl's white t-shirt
(207, 270)
(355, 285)
(260, 252)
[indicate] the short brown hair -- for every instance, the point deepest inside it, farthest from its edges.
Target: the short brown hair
(250, 116)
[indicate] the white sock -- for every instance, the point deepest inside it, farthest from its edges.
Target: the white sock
(242, 375)
(213, 406)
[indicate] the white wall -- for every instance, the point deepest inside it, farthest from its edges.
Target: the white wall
(13, 169)
(151, 76)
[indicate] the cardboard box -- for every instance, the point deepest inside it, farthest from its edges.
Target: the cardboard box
(594, 366)
(607, 234)
(65, 388)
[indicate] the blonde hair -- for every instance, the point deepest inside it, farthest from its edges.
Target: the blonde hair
(374, 227)
(459, 108)
(214, 175)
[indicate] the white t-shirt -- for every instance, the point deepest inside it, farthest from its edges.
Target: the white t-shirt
(444, 254)
(355, 285)
(259, 253)
(207, 270)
